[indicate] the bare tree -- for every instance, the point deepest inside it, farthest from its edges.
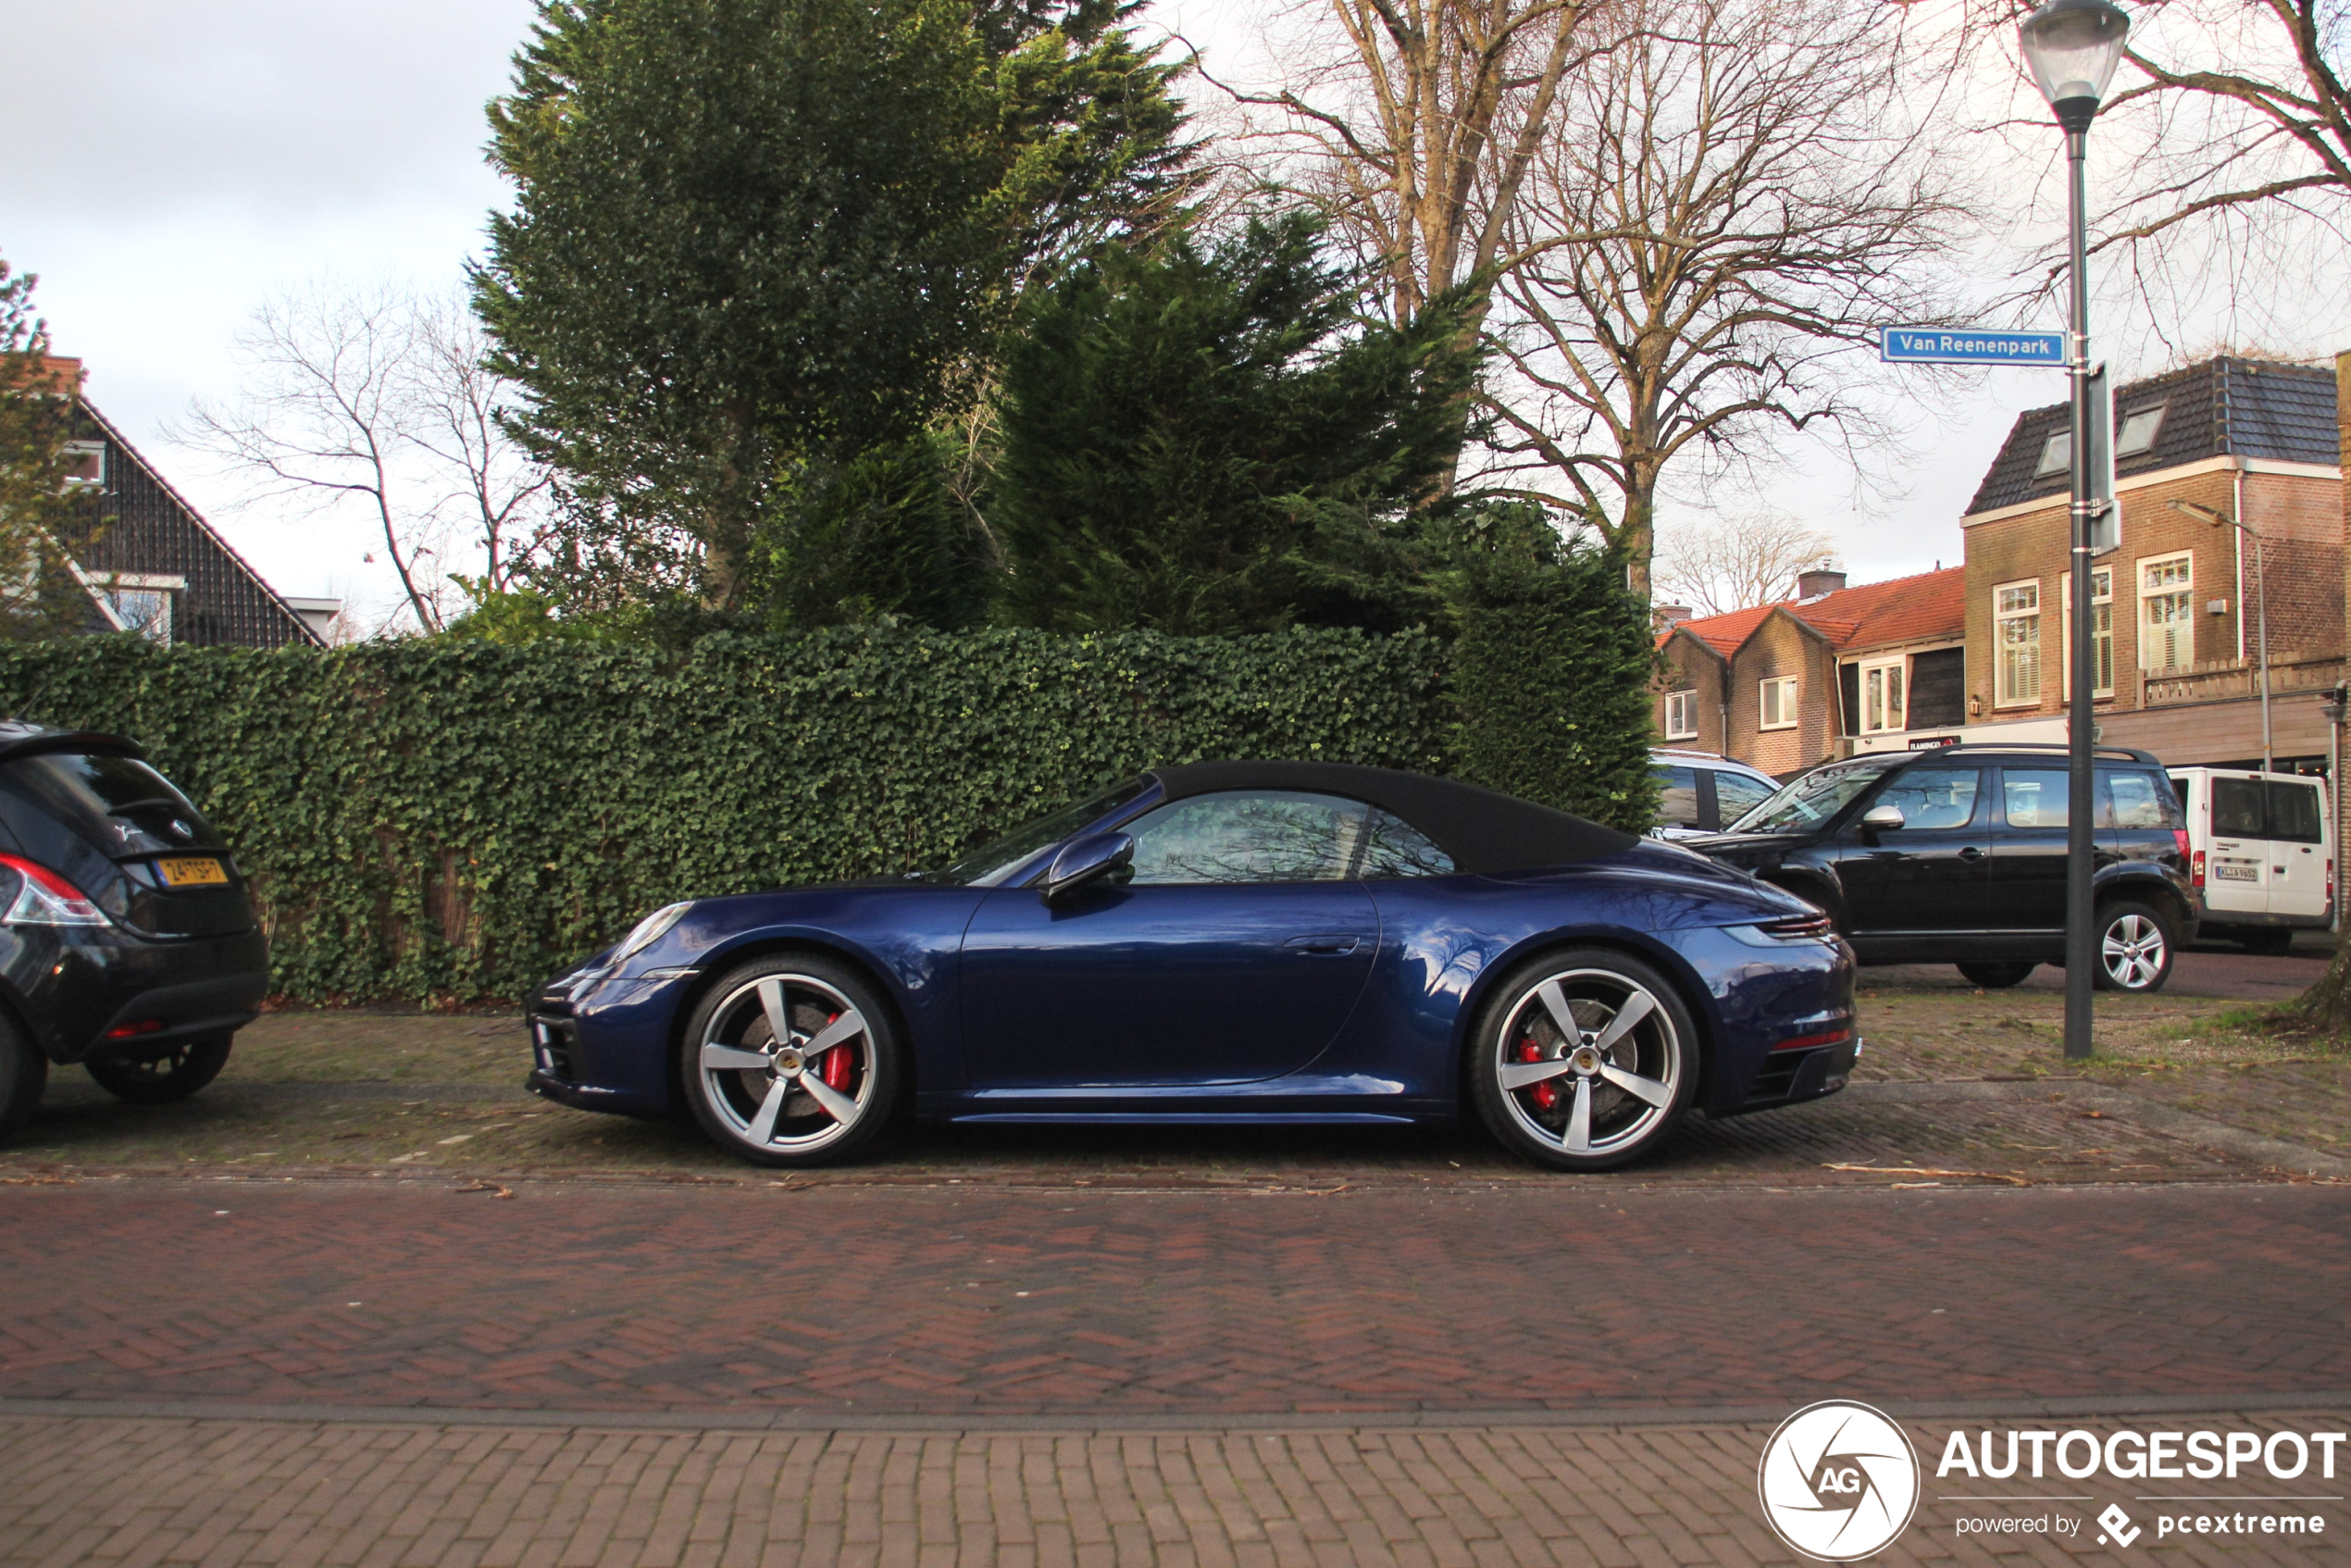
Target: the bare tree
(377, 398)
(1731, 202)
(1737, 562)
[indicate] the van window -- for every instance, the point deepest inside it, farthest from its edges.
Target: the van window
(2237, 809)
(2138, 800)
(2293, 812)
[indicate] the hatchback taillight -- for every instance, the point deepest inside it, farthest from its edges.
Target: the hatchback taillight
(46, 898)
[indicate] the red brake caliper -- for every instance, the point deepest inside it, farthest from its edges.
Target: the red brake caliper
(1547, 1093)
(837, 1065)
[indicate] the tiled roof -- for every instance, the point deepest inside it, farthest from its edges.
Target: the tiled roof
(1872, 614)
(2254, 408)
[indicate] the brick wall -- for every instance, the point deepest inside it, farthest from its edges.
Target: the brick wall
(1687, 667)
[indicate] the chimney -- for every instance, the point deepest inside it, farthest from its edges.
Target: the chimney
(1819, 580)
(1668, 617)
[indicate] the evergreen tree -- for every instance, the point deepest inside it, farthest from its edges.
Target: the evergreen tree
(39, 595)
(755, 240)
(1209, 438)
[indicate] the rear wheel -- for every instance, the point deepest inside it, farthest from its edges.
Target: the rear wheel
(792, 1059)
(178, 1073)
(24, 1072)
(1996, 975)
(2267, 944)
(2134, 947)
(1584, 1060)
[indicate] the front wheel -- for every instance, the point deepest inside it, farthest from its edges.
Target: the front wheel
(160, 1080)
(792, 1061)
(2135, 943)
(1583, 1060)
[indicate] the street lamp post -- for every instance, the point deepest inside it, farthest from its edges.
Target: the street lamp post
(2071, 48)
(2214, 516)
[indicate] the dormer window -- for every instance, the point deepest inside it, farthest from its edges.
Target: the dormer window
(2139, 426)
(85, 462)
(2056, 456)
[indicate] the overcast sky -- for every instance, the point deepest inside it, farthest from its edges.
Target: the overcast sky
(172, 165)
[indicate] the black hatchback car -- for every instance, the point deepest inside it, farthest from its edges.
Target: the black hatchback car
(126, 940)
(1957, 855)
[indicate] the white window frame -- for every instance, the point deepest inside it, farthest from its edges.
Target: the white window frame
(2133, 439)
(2101, 628)
(96, 449)
(1681, 715)
(1891, 701)
(1790, 704)
(2001, 616)
(2180, 591)
(2057, 456)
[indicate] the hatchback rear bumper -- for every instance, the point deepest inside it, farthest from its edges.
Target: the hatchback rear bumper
(100, 992)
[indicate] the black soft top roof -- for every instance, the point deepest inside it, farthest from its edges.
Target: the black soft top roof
(1482, 830)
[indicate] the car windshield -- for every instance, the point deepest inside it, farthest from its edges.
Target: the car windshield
(1813, 799)
(985, 866)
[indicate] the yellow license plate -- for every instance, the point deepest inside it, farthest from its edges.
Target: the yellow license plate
(192, 872)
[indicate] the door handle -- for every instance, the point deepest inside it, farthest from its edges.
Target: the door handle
(1970, 853)
(1338, 942)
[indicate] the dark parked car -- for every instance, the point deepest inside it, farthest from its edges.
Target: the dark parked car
(1959, 854)
(1700, 793)
(1231, 943)
(127, 943)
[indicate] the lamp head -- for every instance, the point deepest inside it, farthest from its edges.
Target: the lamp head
(2071, 48)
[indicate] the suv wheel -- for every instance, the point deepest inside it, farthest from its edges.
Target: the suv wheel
(2135, 943)
(175, 1075)
(1996, 975)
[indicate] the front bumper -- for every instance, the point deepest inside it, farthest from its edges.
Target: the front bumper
(1791, 1078)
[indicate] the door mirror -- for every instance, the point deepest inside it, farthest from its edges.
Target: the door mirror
(1885, 815)
(1086, 860)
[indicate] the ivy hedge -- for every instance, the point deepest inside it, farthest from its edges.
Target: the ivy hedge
(460, 819)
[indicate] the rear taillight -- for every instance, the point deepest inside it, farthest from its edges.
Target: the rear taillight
(1798, 927)
(2180, 837)
(2195, 870)
(47, 899)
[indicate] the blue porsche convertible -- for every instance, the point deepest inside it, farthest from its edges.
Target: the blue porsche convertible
(1237, 943)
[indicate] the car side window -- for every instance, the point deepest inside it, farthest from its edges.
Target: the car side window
(1676, 794)
(1736, 794)
(1934, 797)
(2293, 812)
(2035, 796)
(1249, 836)
(2237, 810)
(2137, 800)
(1393, 846)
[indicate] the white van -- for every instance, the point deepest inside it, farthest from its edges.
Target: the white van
(2260, 853)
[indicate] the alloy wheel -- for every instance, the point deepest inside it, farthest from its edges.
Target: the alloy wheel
(787, 1064)
(1588, 1062)
(2133, 952)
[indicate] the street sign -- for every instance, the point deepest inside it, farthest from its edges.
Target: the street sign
(1967, 345)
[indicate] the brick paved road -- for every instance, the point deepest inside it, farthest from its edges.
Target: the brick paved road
(837, 1301)
(288, 1495)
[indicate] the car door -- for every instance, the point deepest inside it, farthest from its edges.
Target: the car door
(1678, 802)
(2030, 847)
(2237, 867)
(1233, 954)
(2297, 848)
(1736, 794)
(1931, 873)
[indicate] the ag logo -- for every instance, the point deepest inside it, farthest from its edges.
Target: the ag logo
(1838, 1480)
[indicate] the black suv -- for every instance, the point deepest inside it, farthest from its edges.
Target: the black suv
(1957, 855)
(127, 942)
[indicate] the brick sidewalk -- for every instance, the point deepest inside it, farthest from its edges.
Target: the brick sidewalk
(288, 1494)
(980, 1303)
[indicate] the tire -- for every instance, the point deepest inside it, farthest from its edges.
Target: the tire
(24, 1073)
(2135, 945)
(1531, 1081)
(190, 1066)
(816, 1111)
(2268, 944)
(1996, 975)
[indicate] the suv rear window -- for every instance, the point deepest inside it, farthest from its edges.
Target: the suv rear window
(119, 804)
(2141, 800)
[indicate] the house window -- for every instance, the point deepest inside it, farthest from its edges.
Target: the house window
(2016, 618)
(2167, 613)
(1681, 716)
(2101, 629)
(85, 462)
(1885, 697)
(146, 611)
(1778, 701)
(2137, 435)
(2056, 456)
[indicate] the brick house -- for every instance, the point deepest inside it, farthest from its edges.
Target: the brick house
(1782, 687)
(150, 562)
(2179, 604)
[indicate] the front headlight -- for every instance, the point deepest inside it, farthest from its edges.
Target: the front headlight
(649, 930)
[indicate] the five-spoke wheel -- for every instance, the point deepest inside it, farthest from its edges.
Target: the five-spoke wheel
(792, 1061)
(2134, 948)
(1584, 1060)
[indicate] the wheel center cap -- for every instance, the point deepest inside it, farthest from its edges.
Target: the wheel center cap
(789, 1060)
(1587, 1060)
